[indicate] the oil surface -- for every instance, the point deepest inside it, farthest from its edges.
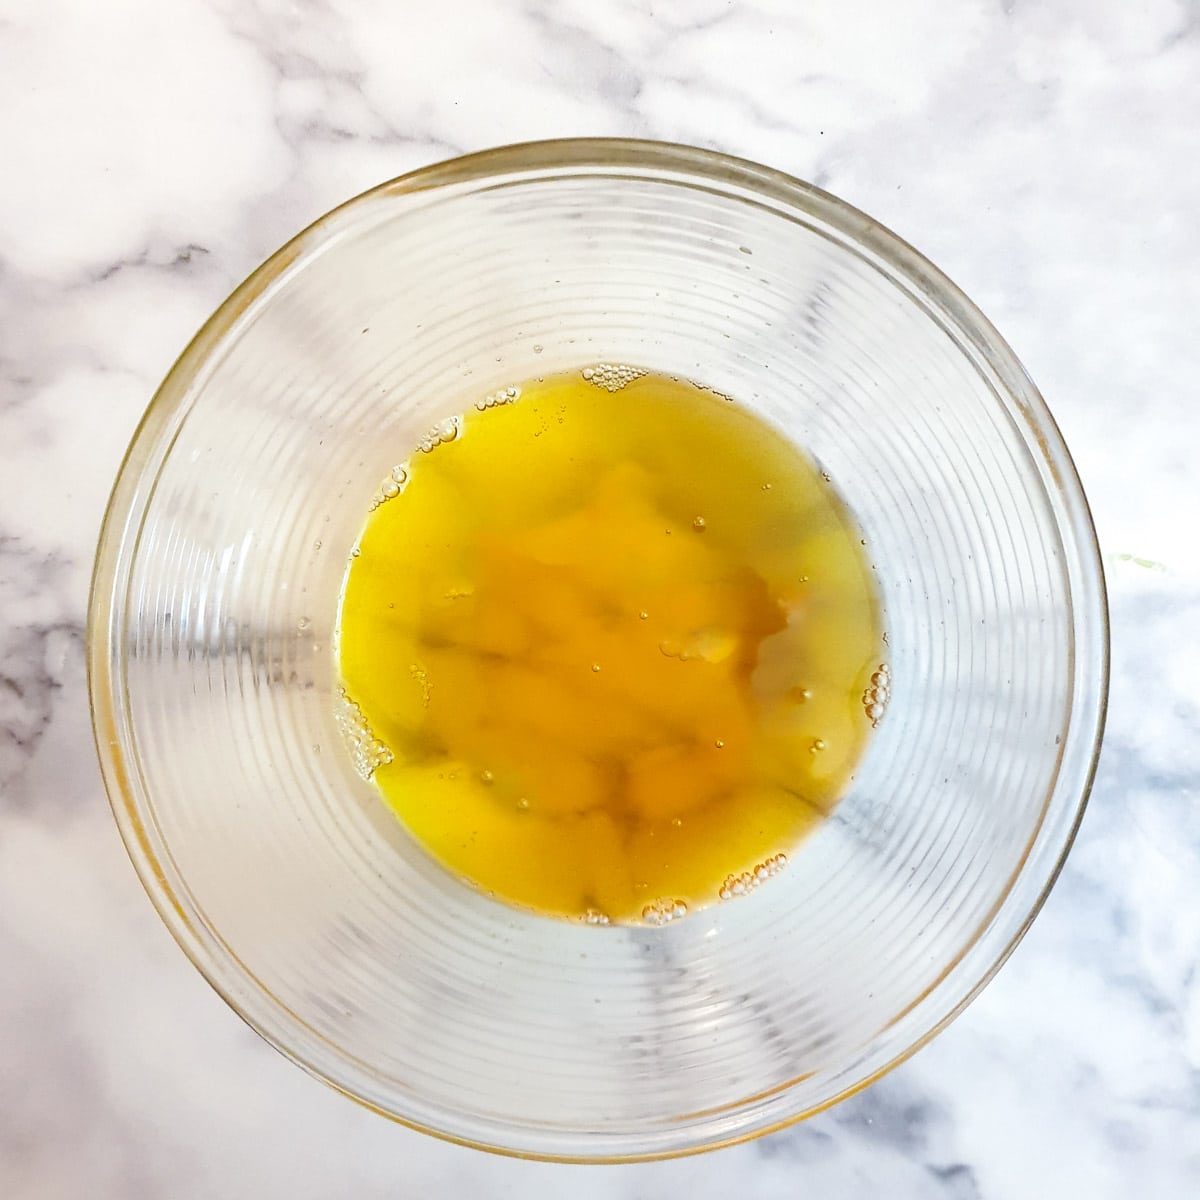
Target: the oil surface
(610, 646)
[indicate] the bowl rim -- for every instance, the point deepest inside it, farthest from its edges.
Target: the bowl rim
(579, 154)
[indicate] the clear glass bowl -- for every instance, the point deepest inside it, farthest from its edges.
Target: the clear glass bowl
(299, 896)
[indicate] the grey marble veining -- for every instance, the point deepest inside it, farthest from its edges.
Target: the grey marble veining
(1046, 155)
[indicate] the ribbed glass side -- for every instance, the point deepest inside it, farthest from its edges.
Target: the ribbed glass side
(299, 894)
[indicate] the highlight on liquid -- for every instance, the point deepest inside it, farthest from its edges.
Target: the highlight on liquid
(610, 646)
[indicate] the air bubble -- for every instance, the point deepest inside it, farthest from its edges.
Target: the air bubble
(367, 752)
(596, 667)
(612, 377)
(504, 395)
(486, 778)
(703, 387)
(421, 676)
(875, 697)
(699, 524)
(303, 623)
(593, 916)
(523, 803)
(643, 616)
(442, 432)
(390, 487)
(745, 882)
(720, 745)
(817, 746)
(663, 912)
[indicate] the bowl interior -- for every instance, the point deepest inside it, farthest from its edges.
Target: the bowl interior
(214, 689)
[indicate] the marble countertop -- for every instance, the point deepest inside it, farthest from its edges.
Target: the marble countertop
(1046, 155)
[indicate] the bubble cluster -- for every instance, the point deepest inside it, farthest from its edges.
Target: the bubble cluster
(391, 487)
(663, 912)
(703, 387)
(421, 678)
(593, 916)
(610, 377)
(875, 698)
(367, 752)
(747, 881)
(505, 395)
(442, 432)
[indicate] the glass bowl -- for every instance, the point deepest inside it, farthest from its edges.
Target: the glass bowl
(213, 684)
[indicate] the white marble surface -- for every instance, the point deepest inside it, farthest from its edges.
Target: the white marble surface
(1045, 154)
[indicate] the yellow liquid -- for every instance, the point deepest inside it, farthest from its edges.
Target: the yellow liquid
(610, 646)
